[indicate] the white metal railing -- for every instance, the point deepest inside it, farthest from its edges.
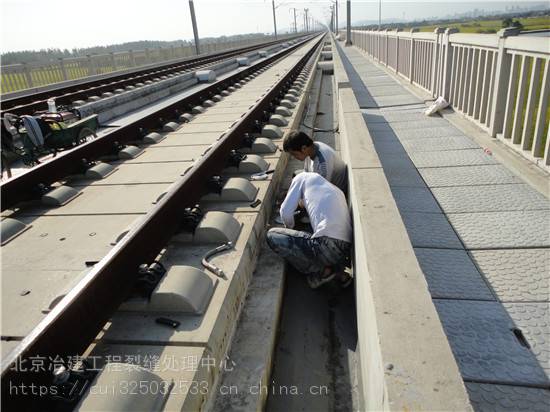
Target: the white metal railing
(500, 81)
(25, 76)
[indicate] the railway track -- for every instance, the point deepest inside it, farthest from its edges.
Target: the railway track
(103, 246)
(116, 83)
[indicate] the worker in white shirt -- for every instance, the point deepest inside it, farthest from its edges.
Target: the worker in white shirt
(322, 255)
(318, 157)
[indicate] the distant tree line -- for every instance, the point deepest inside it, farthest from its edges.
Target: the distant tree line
(46, 55)
(507, 21)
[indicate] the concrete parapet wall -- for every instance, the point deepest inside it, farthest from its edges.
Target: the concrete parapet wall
(406, 362)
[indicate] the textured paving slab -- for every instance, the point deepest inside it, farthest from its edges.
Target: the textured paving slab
(490, 198)
(534, 321)
(486, 349)
(496, 230)
(451, 274)
(400, 171)
(468, 176)
(432, 132)
(385, 146)
(430, 230)
(440, 144)
(396, 99)
(425, 123)
(497, 398)
(470, 157)
(415, 199)
(516, 275)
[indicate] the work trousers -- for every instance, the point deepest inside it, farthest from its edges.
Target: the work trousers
(309, 254)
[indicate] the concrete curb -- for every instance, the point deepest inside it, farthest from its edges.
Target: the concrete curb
(406, 362)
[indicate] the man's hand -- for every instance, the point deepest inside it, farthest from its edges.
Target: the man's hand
(301, 204)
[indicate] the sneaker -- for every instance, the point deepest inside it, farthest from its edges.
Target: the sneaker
(345, 280)
(316, 280)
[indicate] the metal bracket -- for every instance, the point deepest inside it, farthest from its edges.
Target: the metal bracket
(235, 158)
(215, 185)
(191, 218)
(148, 278)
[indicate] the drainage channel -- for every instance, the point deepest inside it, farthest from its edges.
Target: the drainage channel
(314, 364)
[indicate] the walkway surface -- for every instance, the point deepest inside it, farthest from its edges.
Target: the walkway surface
(481, 236)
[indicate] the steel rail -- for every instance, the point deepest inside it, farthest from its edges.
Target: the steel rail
(77, 319)
(66, 95)
(23, 187)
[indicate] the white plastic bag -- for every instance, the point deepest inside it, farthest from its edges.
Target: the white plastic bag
(438, 105)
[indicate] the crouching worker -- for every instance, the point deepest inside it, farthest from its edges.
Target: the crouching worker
(322, 256)
(317, 157)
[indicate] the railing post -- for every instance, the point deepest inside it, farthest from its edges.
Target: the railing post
(28, 77)
(62, 68)
(132, 58)
(447, 64)
(113, 60)
(435, 60)
(500, 85)
(411, 56)
(397, 50)
(91, 68)
(386, 32)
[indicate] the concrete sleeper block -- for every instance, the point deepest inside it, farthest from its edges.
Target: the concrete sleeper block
(111, 398)
(129, 152)
(197, 110)
(260, 145)
(99, 171)
(287, 103)
(78, 103)
(11, 228)
(278, 120)
(208, 103)
(59, 196)
(225, 93)
(217, 98)
(183, 289)
(294, 92)
(272, 132)
(170, 127)
(217, 227)
(186, 117)
(106, 94)
(94, 98)
(283, 111)
(262, 53)
(153, 137)
(253, 164)
(235, 189)
(290, 97)
(205, 76)
(243, 61)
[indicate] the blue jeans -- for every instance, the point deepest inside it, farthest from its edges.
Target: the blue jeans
(307, 254)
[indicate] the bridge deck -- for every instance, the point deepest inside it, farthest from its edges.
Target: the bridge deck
(481, 236)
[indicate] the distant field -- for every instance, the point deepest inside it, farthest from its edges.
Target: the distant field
(485, 26)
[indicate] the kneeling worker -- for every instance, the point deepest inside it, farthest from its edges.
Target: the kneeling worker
(318, 157)
(323, 254)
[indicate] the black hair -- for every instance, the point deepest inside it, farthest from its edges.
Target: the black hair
(295, 140)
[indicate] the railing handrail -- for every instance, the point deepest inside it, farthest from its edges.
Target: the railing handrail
(500, 81)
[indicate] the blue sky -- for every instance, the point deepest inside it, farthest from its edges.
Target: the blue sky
(36, 24)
